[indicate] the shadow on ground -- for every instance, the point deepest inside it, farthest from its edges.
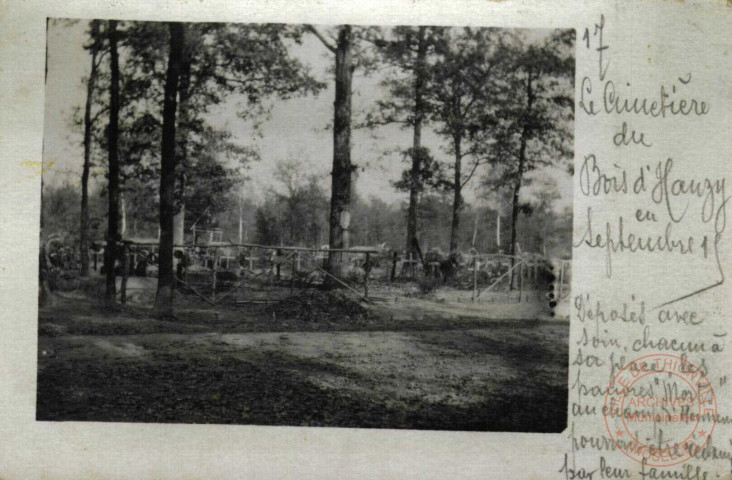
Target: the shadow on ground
(452, 375)
(230, 391)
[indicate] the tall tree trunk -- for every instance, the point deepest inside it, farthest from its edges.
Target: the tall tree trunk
(498, 221)
(179, 226)
(457, 203)
(183, 128)
(84, 220)
(341, 175)
(520, 174)
(475, 229)
(166, 274)
(515, 203)
(414, 187)
(241, 219)
(110, 251)
(123, 215)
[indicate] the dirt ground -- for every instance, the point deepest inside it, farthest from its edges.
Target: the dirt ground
(415, 363)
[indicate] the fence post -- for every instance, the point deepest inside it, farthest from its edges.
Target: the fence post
(277, 263)
(187, 259)
(393, 266)
(292, 276)
(367, 269)
(125, 272)
(521, 280)
(386, 268)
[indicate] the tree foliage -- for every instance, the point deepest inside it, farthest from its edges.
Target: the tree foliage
(532, 126)
(498, 104)
(295, 211)
(227, 62)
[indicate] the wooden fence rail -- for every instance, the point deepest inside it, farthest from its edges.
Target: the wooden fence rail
(526, 265)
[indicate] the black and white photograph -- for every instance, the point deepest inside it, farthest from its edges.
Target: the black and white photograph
(306, 225)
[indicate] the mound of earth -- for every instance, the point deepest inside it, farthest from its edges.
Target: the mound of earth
(319, 306)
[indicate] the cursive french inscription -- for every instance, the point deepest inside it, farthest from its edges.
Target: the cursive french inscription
(671, 213)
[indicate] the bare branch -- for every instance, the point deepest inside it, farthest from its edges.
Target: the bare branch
(99, 113)
(320, 36)
(240, 81)
(100, 57)
(475, 167)
(379, 123)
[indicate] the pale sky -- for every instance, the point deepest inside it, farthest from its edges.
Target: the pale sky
(297, 127)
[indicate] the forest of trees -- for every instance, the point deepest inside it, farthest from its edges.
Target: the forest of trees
(501, 103)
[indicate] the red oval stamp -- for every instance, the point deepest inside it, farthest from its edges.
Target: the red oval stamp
(660, 409)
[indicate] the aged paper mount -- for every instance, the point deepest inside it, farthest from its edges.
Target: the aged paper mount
(648, 360)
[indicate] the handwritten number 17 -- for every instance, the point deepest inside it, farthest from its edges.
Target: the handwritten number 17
(601, 46)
